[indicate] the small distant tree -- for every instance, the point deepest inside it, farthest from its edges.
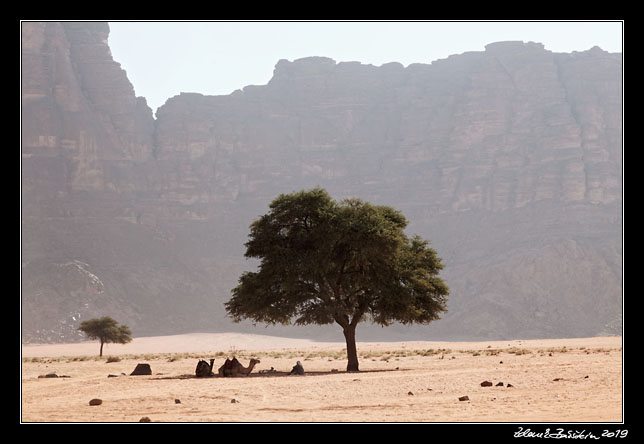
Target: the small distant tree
(325, 262)
(106, 330)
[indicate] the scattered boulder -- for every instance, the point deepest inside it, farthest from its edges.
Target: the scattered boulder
(500, 384)
(142, 369)
(410, 393)
(177, 401)
(233, 401)
(464, 398)
(145, 419)
(95, 401)
(53, 375)
(509, 385)
(486, 384)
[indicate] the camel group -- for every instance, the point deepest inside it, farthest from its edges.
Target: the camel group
(232, 367)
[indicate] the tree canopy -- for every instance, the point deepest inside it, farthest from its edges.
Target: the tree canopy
(322, 262)
(106, 330)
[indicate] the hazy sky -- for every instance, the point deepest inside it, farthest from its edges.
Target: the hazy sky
(163, 59)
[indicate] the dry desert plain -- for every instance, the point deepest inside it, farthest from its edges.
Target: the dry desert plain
(554, 380)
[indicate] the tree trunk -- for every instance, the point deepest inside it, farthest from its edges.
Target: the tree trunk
(352, 353)
(101, 352)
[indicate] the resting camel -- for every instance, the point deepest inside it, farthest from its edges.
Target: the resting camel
(203, 369)
(234, 367)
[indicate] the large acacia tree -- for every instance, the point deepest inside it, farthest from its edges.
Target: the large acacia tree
(321, 262)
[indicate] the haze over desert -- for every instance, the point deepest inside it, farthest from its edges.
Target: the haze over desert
(450, 182)
(512, 381)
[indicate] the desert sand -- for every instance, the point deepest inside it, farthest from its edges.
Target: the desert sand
(542, 381)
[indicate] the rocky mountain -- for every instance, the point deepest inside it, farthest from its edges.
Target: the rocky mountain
(509, 160)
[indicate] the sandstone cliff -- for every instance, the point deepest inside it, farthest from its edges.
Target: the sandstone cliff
(509, 160)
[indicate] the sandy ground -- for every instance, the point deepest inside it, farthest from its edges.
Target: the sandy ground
(556, 380)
